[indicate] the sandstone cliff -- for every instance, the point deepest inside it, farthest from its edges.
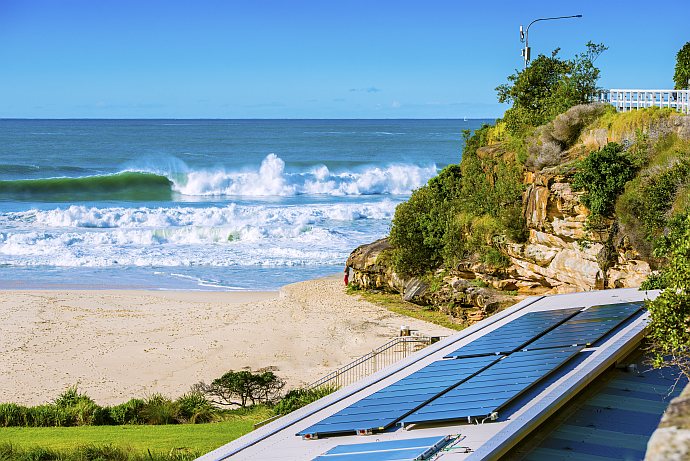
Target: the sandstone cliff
(561, 252)
(560, 255)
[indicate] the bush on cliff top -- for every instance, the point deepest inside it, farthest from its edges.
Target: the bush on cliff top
(549, 86)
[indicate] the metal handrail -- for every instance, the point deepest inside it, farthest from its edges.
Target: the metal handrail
(373, 361)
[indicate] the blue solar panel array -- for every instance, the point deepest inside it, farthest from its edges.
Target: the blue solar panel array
(514, 335)
(385, 407)
(588, 326)
(494, 388)
(482, 378)
(392, 450)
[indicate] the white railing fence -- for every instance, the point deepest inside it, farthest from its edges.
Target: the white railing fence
(381, 357)
(630, 99)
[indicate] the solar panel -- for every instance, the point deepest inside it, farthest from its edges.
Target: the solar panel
(398, 450)
(588, 326)
(386, 406)
(493, 388)
(515, 334)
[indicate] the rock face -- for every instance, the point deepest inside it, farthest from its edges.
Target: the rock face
(369, 272)
(560, 252)
(671, 441)
(560, 255)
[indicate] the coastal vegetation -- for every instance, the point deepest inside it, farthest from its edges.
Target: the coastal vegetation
(469, 209)
(395, 304)
(202, 404)
(74, 426)
(73, 408)
(624, 177)
(548, 87)
(670, 311)
(681, 76)
(127, 442)
(241, 388)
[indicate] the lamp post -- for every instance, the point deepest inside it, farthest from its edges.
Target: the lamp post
(524, 35)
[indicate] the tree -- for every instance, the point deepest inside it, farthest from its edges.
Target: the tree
(681, 77)
(669, 331)
(242, 388)
(419, 225)
(549, 86)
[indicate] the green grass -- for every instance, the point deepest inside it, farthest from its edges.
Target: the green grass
(393, 303)
(619, 123)
(194, 438)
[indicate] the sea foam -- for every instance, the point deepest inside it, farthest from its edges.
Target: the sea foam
(272, 179)
(244, 235)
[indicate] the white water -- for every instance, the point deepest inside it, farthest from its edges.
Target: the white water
(232, 235)
(272, 179)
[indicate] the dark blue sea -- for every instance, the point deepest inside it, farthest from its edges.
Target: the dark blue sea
(204, 204)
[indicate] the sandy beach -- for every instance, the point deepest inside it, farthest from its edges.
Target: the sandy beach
(121, 344)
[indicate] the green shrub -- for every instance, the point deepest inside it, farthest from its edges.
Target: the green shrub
(650, 198)
(50, 416)
(12, 414)
(419, 225)
(158, 409)
(127, 413)
(298, 398)
(91, 414)
(72, 397)
(681, 76)
(195, 408)
(495, 258)
(603, 175)
(670, 311)
(463, 211)
(654, 281)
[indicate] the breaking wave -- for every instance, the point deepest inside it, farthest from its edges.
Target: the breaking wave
(270, 179)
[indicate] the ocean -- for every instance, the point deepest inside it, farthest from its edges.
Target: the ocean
(204, 204)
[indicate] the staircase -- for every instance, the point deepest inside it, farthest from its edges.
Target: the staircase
(381, 357)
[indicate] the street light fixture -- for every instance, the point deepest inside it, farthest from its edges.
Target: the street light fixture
(524, 35)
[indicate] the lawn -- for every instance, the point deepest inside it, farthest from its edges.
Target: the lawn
(193, 438)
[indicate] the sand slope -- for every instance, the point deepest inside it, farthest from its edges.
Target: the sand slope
(123, 344)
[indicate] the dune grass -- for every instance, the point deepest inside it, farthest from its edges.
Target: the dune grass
(186, 438)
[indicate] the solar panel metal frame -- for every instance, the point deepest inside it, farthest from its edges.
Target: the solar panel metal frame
(385, 407)
(588, 326)
(419, 448)
(515, 334)
(501, 384)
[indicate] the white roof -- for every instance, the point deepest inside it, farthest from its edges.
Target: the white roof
(278, 440)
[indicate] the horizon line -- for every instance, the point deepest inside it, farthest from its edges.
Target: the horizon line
(245, 119)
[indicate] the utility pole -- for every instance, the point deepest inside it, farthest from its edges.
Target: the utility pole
(524, 35)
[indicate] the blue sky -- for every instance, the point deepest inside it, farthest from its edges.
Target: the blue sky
(308, 59)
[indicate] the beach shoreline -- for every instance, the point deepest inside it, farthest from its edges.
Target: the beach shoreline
(122, 344)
